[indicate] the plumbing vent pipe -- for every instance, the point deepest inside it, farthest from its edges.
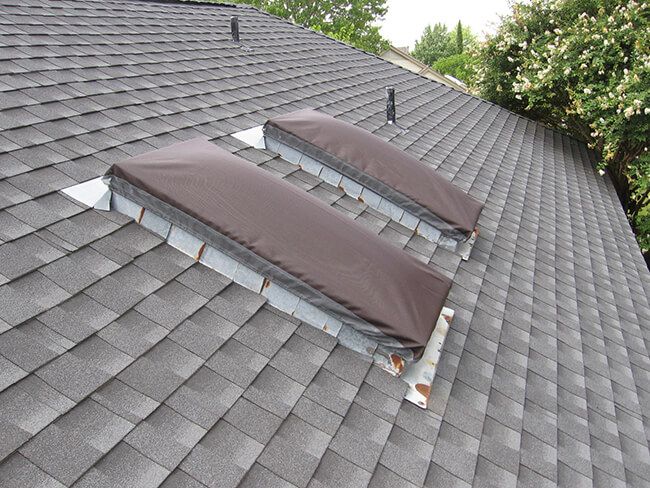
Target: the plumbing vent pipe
(234, 28)
(390, 104)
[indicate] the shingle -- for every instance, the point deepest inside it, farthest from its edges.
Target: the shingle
(274, 391)
(361, 438)
(15, 308)
(163, 369)
(541, 423)
(16, 472)
(30, 345)
(530, 479)
(407, 456)
(491, 475)
(10, 195)
(38, 289)
(203, 333)
(131, 240)
(76, 441)
(84, 228)
(236, 304)
(299, 359)
(204, 397)
(165, 437)
(437, 476)
(422, 423)
(331, 392)
(505, 410)
(385, 478)
(124, 466)
(164, 262)
(82, 370)
(77, 318)
(501, 445)
(114, 295)
(335, 471)
(317, 337)
(295, 451)
(125, 401)
(204, 280)
(317, 415)
(456, 451)
(26, 254)
(41, 181)
(133, 333)
(348, 365)
(223, 457)
(180, 479)
(252, 420)
(386, 383)
(265, 332)
(238, 363)
(260, 476)
(170, 305)
(574, 454)
(78, 270)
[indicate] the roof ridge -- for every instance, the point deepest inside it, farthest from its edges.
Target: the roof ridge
(206, 3)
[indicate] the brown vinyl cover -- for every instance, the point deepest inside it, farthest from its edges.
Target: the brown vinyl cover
(384, 162)
(296, 232)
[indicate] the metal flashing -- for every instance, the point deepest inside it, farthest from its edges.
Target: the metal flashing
(253, 137)
(92, 193)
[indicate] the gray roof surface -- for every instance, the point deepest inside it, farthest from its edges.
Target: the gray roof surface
(125, 363)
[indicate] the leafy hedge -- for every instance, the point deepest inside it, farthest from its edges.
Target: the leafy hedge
(582, 66)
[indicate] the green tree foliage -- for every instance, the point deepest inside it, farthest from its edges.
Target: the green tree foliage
(434, 44)
(460, 66)
(459, 39)
(350, 21)
(582, 66)
(446, 51)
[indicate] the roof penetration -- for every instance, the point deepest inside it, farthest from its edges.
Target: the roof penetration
(291, 239)
(370, 168)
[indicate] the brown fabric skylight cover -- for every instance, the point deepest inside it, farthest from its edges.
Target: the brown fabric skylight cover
(296, 232)
(375, 162)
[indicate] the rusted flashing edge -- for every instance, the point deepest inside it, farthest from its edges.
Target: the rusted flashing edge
(420, 375)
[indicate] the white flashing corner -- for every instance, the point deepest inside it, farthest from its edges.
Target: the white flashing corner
(92, 193)
(253, 137)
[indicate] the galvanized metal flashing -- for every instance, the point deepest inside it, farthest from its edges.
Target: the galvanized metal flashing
(92, 193)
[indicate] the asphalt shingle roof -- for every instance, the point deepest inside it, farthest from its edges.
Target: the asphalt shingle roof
(125, 363)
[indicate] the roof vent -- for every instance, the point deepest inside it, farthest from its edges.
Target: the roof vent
(379, 174)
(284, 243)
(390, 104)
(234, 28)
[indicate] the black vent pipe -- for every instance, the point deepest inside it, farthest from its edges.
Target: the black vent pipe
(234, 28)
(390, 104)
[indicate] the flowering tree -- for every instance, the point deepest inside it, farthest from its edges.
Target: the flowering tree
(582, 66)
